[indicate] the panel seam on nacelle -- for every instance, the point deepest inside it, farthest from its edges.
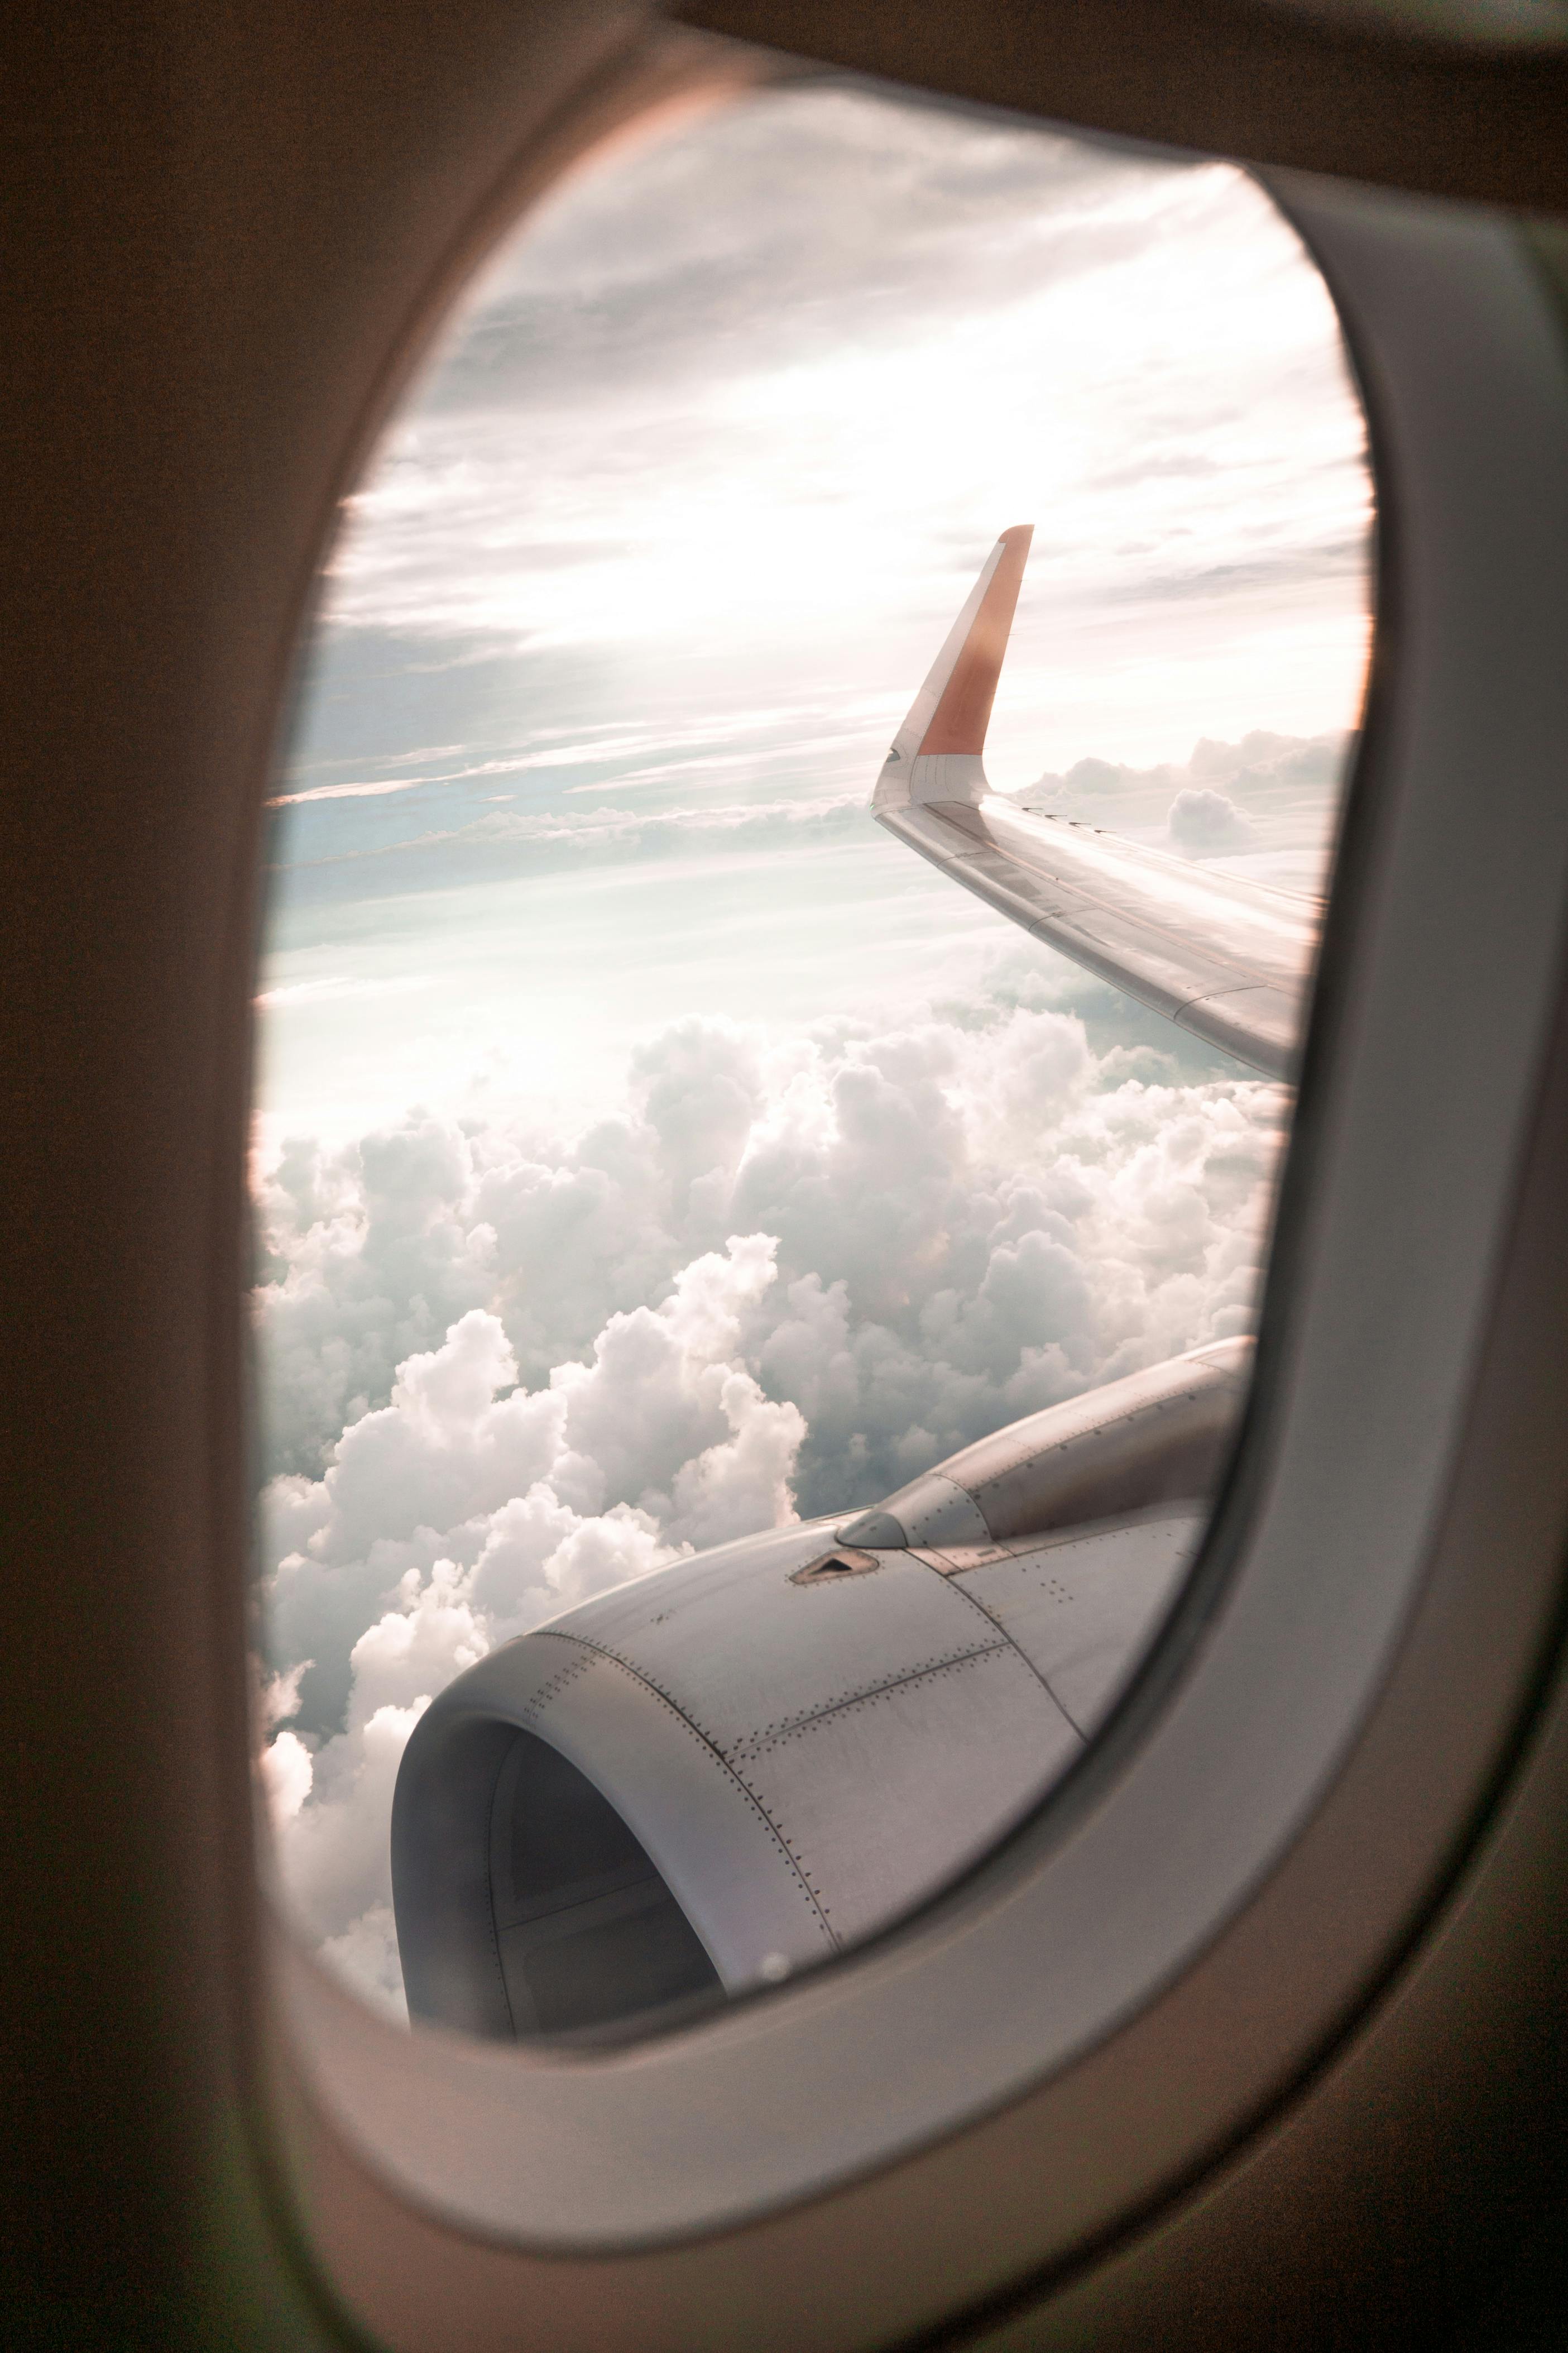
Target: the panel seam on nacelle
(975, 1603)
(791, 1861)
(759, 1744)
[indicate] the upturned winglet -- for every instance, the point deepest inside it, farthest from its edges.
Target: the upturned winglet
(936, 754)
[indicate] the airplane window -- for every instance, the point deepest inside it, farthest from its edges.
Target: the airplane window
(791, 909)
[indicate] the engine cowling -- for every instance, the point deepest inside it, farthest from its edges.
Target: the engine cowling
(730, 1770)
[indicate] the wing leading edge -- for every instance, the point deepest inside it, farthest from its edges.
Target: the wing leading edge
(1227, 958)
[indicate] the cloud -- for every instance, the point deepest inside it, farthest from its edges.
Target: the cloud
(506, 1373)
(375, 790)
(1258, 772)
(827, 196)
(287, 1775)
(281, 1694)
(1267, 800)
(676, 424)
(1205, 824)
(623, 827)
(366, 1956)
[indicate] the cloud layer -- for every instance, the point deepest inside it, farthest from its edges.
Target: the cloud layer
(504, 1373)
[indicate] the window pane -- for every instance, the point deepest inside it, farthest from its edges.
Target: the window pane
(654, 1155)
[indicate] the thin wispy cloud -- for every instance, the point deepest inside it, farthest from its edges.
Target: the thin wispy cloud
(334, 987)
(787, 426)
(369, 791)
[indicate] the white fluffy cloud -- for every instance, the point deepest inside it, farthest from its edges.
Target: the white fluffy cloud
(1207, 824)
(1252, 778)
(505, 1373)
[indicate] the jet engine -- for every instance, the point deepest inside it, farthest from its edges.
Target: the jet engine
(727, 1771)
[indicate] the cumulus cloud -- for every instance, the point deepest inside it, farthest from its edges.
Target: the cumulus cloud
(1268, 798)
(287, 1775)
(506, 1373)
(1205, 824)
(1257, 773)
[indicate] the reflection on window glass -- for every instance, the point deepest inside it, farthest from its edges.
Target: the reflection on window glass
(655, 1155)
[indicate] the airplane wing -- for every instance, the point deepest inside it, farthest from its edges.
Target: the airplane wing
(1224, 956)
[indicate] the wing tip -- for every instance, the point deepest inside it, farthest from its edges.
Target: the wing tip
(955, 718)
(962, 712)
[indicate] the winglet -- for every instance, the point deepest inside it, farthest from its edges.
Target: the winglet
(936, 753)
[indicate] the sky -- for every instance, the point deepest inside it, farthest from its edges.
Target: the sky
(648, 1147)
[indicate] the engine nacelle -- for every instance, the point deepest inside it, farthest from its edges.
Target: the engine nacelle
(730, 1770)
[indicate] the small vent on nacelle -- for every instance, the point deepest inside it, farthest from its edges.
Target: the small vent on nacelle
(830, 1567)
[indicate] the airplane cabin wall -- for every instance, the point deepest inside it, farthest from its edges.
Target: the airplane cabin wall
(228, 231)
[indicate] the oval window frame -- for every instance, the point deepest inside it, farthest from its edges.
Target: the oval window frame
(659, 2146)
